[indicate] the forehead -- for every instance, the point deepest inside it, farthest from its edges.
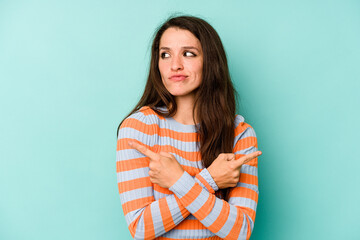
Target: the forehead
(176, 37)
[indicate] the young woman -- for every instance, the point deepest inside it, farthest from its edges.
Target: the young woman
(186, 163)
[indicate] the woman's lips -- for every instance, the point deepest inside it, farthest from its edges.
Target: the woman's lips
(178, 77)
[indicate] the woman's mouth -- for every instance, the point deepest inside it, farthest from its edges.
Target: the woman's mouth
(178, 77)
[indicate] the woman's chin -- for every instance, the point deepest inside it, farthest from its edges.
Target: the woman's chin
(182, 94)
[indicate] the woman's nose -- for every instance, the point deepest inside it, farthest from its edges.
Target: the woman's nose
(176, 63)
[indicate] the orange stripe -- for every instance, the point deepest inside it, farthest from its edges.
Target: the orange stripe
(210, 238)
(248, 179)
(136, 204)
(131, 164)
(206, 184)
(221, 219)
(241, 127)
(133, 226)
(146, 110)
(134, 184)
(166, 215)
(181, 136)
(190, 156)
(191, 170)
(148, 224)
(206, 208)
(243, 192)
(159, 189)
(183, 210)
(235, 231)
(245, 143)
(152, 129)
(148, 129)
(190, 224)
(189, 197)
(135, 163)
(253, 163)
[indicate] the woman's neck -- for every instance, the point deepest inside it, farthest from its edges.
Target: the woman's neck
(184, 112)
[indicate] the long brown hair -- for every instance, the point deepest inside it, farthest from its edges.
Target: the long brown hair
(215, 101)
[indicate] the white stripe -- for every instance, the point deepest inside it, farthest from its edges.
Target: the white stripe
(134, 194)
(133, 174)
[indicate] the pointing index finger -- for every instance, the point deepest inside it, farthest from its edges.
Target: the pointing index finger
(248, 157)
(142, 149)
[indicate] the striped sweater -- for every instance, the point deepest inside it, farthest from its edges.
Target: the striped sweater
(192, 208)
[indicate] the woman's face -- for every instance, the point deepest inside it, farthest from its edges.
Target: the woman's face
(180, 62)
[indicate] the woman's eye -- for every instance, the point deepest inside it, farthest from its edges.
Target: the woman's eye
(189, 54)
(164, 55)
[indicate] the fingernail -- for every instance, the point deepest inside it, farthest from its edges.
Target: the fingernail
(259, 153)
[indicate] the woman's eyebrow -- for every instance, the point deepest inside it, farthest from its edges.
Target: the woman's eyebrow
(185, 47)
(190, 47)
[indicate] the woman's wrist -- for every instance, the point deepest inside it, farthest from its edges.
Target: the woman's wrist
(176, 177)
(205, 173)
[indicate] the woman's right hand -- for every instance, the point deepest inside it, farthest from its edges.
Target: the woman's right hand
(225, 169)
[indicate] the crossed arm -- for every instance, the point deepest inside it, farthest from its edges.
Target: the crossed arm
(137, 175)
(136, 193)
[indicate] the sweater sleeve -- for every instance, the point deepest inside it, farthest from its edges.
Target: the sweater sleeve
(146, 217)
(232, 219)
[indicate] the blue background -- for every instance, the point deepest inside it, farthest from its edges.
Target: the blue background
(71, 70)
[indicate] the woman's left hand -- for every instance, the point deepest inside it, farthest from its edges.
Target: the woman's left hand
(164, 168)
